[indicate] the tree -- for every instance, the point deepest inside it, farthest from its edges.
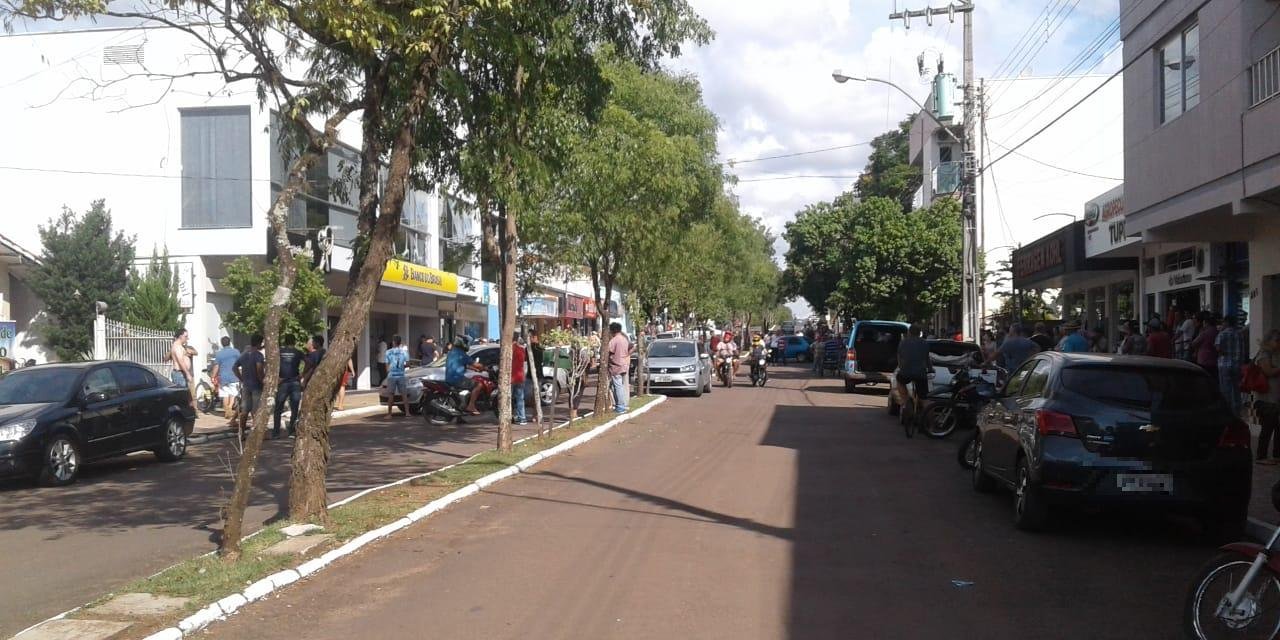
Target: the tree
(889, 173)
(251, 292)
(152, 298)
(82, 261)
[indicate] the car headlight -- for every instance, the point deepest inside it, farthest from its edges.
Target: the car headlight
(16, 430)
(688, 368)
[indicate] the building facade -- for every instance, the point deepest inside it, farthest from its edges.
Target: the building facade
(1202, 156)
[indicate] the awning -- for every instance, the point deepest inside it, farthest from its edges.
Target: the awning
(573, 307)
(415, 277)
(1051, 260)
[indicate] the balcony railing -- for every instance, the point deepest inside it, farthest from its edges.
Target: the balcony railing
(1264, 78)
(946, 177)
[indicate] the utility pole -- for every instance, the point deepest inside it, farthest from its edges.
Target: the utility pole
(970, 286)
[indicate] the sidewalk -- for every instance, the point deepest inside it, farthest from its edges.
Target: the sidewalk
(213, 426)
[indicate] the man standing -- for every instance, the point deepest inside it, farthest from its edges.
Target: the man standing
(1202, 348)
(536, 351)
(1232, 352)
(1041, 337)
(1159, 343)
(380, 356)
(1074, 341)
(427, 349)
(519, 361)
(290, 388)
(224, 377)
(619, 362)
(180, 355)
(249, 370)
(1016, 348)
(396, 358)
(315, 353)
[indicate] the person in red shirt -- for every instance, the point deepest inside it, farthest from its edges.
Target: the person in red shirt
(518, 361)
(1159, 343)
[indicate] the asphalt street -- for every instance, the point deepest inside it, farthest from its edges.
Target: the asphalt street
(794, 511)
(130, 517)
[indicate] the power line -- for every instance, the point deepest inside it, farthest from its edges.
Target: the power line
(732, 162)
(1000, 68)
(1063, 13)
(798, 177)
(1054, 166)
(121, 174)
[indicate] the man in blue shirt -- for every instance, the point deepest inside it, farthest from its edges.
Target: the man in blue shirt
(397, 385)
(1075, 342)
(290, 388)
(226, 384)
(455, 371)
(249, 369)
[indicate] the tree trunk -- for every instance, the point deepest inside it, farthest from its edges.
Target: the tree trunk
(602, 312)
(379, 221)
(233, 513)
(507, 240)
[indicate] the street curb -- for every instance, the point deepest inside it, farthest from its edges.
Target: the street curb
(260, 589)
(205, 438)
(1258, 529)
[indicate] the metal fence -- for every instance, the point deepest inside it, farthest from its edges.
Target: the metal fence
(1264, 78)
(115, 340)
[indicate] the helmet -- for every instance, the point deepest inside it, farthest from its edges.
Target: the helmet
(756, 340)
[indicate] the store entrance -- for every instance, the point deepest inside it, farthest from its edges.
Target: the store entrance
(1185, 301)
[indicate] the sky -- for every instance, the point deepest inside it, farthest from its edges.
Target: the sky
(767, 76)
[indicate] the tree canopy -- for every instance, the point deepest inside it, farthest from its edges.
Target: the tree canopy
(152, 298)
(889, 173)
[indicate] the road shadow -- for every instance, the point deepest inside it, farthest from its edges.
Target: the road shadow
(882, 527)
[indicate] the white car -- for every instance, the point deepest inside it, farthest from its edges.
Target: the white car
(945, 355)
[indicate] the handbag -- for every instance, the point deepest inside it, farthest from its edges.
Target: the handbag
(1252, 379)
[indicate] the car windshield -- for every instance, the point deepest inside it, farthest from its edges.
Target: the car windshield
(1143, 387)
(37, 386)
(672, 350)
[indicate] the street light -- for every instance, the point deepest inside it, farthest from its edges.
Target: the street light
(840, 77)
(1056, 213)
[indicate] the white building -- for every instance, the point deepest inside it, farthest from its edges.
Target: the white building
(191, 166)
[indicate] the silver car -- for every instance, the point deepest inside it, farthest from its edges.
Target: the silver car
(485, 354)
(679, 365)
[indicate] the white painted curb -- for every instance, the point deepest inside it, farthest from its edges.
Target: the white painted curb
(256, 591)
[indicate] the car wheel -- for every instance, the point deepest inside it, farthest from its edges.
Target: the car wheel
(547, 392)
(709, 385)
(982, 483)
(849, 386)
(697, 393)
(175, 442)
(61, 462)
(1029, 510)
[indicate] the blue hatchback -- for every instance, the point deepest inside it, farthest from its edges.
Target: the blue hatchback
(794, 348)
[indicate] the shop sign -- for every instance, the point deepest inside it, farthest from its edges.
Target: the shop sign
(1104, 218)
(1178, 279)
(8, 329)
(1036, 258)
(589, 309)
(415, 277)
(540, 306)
(573, 307)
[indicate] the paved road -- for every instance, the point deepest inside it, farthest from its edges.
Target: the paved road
(132, 516)
(795, 511)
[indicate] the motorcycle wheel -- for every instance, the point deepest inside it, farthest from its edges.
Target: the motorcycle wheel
(968, 451)
(940, 420)
(205, 399)
(1258, 614)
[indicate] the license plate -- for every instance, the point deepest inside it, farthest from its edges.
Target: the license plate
(1145, 482)
(662, 378)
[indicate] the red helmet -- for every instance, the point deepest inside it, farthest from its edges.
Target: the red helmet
(728, 335)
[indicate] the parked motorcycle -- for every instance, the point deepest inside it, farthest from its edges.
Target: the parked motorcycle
(960, 406)
(759, 366)
(1237, 594)
(442, 403)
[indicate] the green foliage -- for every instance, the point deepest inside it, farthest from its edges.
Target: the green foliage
(870, 259)
(889, 173)
(152, 300)
(83, 261)
(251, 292)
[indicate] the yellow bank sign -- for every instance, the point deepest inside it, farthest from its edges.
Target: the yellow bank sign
(415, 277)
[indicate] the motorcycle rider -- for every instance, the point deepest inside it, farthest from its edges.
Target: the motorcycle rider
(727, 350)
(758, 352)
(455, 372)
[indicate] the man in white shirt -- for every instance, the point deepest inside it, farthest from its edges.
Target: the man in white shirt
(727, 350)
(380, 356)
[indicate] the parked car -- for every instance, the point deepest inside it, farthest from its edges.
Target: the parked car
(485, 354)
(54, 418)
(871, 354)
(1129, 431)
(792, 348)
(678, 365)
(943, 354)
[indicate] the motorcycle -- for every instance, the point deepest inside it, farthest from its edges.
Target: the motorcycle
(725, 371)
(442, 403)
(1237, 594)
(959, 407)
(759, 367)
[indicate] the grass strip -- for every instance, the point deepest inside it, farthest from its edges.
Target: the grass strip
(208, 579)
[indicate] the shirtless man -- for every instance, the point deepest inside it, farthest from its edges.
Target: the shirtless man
(180, 354)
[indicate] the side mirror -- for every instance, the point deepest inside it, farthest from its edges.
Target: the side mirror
(705, 356)
(95, 397)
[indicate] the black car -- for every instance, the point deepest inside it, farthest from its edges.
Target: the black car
(1127, 431)
(56, 417)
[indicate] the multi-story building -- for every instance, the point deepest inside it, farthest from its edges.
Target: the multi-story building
(1202, 154)
(190, 166)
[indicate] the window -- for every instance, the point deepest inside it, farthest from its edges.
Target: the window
(1014, 385)
(216, 164)
(133, 378)
(1179, 59)
(100, 380)
(944, 154)
(1177, 260)
(1143, 388)
(1037, 381)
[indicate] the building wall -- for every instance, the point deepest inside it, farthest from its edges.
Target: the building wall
(1264, 282)
(1192, 163)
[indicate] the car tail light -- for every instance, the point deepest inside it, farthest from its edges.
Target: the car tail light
(1235, 436)
(1052, 423)
(851, 355)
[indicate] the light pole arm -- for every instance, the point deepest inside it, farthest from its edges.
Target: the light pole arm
(917, 103)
